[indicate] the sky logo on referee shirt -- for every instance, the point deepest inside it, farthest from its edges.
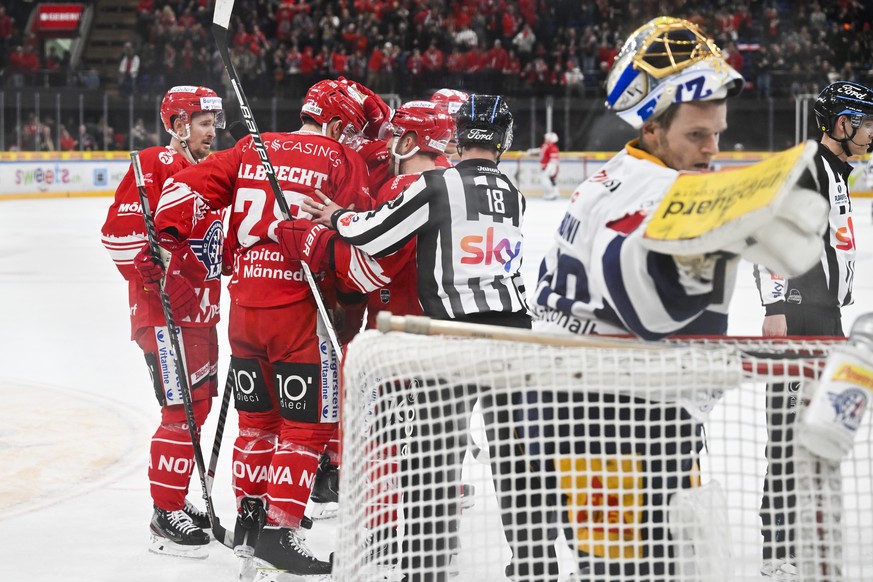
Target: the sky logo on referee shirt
(484, 250)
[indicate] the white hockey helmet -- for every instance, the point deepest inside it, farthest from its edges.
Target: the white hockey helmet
(667, 60)
(550, 137)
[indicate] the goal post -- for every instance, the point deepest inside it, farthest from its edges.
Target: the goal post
(495, 454)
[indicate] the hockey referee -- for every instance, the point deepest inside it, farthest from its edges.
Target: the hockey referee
(467, 221)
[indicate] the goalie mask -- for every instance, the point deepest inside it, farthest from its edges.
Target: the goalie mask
(484, 120)
(667, 60)
(184, 101)
(329, 100)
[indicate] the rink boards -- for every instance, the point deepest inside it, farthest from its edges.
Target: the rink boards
(74, 174)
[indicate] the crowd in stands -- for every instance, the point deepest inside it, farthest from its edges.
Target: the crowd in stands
(514, 47)
(411, 47)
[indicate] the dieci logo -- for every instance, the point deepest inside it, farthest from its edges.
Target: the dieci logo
(484, 250)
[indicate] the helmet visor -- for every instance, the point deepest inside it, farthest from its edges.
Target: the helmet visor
(352, 136)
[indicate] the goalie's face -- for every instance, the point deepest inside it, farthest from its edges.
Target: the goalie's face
(688, 139)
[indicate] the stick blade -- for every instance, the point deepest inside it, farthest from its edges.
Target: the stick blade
(221, 16)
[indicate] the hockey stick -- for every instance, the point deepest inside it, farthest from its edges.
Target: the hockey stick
(218, 531)
(219, 429)
(220, 28)
(421, 325)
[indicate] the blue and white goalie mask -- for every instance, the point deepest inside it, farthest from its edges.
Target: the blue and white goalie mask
(667, 60)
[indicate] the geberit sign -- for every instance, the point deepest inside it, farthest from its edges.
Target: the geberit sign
(58, 18)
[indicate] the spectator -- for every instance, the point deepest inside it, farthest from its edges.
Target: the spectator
(68, 143)
(574, 81)
(432, 64)
(7, 29)
(17, 67)
(128, 70)
(52, 67)
(524, 42)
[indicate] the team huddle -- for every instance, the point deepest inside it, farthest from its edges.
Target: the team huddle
(403, 210)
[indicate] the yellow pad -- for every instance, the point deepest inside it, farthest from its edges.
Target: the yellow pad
(698, 207)
(605, 503)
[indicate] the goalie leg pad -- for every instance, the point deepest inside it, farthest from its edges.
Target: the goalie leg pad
(699, 527)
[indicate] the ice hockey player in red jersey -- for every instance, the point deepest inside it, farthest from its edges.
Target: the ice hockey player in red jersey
(285, 367)
(549, 162)
(449, 101)
(191, 116)
(419, 134)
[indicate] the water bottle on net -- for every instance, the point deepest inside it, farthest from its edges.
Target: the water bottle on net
(835, 412)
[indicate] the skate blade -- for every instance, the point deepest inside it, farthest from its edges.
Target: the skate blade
(246, 569)
(164, 547)
(265, 572)
(322, 511)
(381, 573)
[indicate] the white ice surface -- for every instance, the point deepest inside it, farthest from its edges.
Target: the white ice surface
(77, 411)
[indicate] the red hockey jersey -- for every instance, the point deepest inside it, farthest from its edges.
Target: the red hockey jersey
(124, 235)
(235, 178)
(391, 282)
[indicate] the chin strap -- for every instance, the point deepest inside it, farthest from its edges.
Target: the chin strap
(398, 158)
(844, 143)
(184, 141)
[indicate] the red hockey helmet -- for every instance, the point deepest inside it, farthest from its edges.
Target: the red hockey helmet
(449, 100)
(327, 100)
(186, 100)
(433, 127)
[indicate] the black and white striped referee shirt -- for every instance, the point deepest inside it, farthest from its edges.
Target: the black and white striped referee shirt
(467, 220)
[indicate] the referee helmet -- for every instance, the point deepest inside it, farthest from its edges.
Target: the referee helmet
(484, 120)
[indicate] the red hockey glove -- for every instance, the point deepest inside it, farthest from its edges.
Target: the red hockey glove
(303, 240)
(180, 291)
(376, 111)
(148, 267)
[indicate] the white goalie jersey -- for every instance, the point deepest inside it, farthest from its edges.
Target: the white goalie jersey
(599, 279)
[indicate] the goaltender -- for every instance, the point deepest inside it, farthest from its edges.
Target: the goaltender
(602, 277)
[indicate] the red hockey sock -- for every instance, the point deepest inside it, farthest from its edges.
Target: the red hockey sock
(171, 462)
(292, 474)
(252, 454)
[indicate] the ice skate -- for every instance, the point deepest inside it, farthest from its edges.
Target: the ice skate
(198, 518)
(779, 569)
(249, 522)
(384, 553)
(325, 491)
(174, 534)
(282, 555)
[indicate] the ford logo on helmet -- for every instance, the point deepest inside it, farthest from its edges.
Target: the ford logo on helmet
(480, 134)
(851, 91)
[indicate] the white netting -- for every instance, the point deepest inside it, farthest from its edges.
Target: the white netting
(600, 473)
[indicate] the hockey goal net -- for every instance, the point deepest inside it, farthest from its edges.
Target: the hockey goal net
(534, 458)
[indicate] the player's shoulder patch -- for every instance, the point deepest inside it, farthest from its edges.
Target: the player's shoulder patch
(167, 156)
